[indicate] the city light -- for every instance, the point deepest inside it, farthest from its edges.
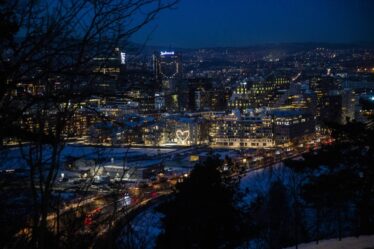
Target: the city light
(182, 136)
(162, 53)
(123, 58)
(109, 142)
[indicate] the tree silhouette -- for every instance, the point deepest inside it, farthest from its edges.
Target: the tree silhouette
(203, 213)
(52, 46)
(339, 182)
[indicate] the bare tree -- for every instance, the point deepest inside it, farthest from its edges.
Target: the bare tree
(47, 49)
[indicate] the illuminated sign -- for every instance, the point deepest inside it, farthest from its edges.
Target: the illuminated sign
(328, 71)
(123, 58)
(167, 53)
(182, 136)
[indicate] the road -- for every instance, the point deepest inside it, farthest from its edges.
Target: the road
(100, 212)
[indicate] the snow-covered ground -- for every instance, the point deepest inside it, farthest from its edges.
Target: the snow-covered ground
(259, 181)
(147, 225)
(222, 153)
(143, 232)
(362, 242)
(13, 159)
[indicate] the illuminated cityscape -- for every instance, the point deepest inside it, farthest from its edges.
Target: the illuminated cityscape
(225, 138)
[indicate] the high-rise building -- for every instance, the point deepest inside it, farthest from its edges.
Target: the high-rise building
(168, 74)
(291, 125)
(258, 94)
(338, 107)
(107, 68)
(298, 96)
(167, 67)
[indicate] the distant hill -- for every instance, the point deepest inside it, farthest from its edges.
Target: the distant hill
(286, 47)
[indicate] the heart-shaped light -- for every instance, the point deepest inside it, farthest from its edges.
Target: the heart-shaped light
(183, 136)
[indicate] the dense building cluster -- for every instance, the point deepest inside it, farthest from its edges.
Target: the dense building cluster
(221, 98)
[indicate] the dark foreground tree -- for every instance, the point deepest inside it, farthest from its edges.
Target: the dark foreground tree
(273, 220)
(203, 213)
(48, 69)
(279, 214)
(340, 182)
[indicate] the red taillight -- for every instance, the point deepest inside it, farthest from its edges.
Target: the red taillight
(88, 220)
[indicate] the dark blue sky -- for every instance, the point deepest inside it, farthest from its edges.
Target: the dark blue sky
(207, 23)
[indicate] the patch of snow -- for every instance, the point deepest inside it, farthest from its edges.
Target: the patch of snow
(362, 242)
(259, 181)
(12, 157)
(144, 230)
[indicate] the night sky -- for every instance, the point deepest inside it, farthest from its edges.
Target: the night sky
(209, 23)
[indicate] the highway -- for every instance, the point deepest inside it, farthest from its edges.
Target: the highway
(99, 212)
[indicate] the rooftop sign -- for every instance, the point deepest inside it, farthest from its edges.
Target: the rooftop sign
(123, 58)
(167, 53)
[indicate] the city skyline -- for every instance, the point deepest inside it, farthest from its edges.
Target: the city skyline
(221, 124)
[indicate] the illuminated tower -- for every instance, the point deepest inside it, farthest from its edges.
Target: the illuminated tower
(167, 67)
